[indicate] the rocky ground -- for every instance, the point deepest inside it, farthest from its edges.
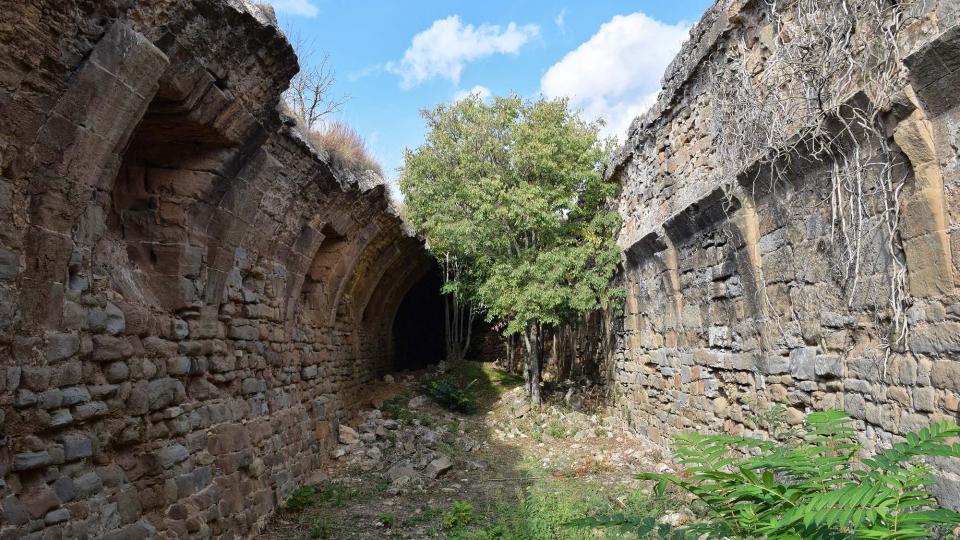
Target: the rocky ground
(408, 468)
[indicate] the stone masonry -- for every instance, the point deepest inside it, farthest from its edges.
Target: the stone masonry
(739, 300)
(191, 296)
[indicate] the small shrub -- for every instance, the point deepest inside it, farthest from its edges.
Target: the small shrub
(451, 395)
(557, 430)
(396, 408)
(387, 520)
(812, 488)
(301, 498)
(459, 515)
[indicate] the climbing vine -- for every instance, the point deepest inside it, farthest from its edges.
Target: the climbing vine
(790, 96)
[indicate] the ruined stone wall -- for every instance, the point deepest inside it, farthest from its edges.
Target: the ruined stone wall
(190, 294)
(793, 241)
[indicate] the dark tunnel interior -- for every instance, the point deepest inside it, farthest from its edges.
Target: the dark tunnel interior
(418, 329)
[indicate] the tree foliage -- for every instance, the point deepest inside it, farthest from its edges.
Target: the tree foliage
(814, 488)
(513, 191)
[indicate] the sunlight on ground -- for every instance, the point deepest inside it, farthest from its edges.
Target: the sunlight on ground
(526, 476)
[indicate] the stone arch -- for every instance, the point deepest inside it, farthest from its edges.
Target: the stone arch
(185, 151)
(78, 152)
(321, 276)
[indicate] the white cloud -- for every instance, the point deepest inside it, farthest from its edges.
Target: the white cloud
(482, 91)
(615, 75)
(304, 8)
(560, 19)
(448, 45)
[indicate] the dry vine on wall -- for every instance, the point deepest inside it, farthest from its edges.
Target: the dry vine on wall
(784, 96)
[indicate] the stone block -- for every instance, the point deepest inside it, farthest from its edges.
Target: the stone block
(115, 322)
(774, 365)
(24, 398)
(165, 392)
(227, 438)
(60, 347)
(60, 418)
(31, 460)
(67, 373)
(64, 488)
(76, 447)
(946, 374)
(88, 484)
(14, 512)
(171, 455)
(924, 399)
(36, 378)
(9, 265)
(253, 386)
(117, 372)
(803, 363)
(39, 501)
(106, 348)
(50, 399)
(137, 531)
(244, 332)
(91, 409)
(179, 365)
(936, 339)
(56, 516)
(829, 366)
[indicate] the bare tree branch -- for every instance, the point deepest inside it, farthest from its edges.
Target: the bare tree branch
(309, 96)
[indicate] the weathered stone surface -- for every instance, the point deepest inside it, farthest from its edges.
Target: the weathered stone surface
(31, 460)
(803, 363)
(946, 374)
(347, 435)
(438, 467)
(77, 447)
(163, 393)
(171, 455)
(111, 348)
(733, 262)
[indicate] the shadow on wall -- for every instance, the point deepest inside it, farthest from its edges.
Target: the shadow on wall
(418, 328)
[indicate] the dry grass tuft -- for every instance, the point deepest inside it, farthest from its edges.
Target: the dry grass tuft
(347, 148)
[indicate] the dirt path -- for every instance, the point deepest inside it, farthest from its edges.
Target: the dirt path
(411, 469)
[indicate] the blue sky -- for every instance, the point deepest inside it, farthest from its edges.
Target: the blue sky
(394, 58)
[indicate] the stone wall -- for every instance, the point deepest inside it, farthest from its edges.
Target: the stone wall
(810, 270)
(190, 294)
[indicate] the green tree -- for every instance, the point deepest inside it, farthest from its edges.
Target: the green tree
(513, 191)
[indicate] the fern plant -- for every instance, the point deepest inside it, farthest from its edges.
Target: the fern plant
(814, 487)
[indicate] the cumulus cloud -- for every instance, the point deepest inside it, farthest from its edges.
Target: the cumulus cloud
(303, 8)
(615, 75)
(448, 45)
(561, 19)
(482, 91)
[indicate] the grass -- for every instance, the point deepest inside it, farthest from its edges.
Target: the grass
(491, 383)
(544, 510)
(301, 498)
(321, 528)
(347, 148)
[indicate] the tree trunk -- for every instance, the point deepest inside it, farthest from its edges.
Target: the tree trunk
(511, 351)
(458, 317)
(532, 339)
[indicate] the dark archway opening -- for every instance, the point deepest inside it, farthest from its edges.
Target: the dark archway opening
(418, 329)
